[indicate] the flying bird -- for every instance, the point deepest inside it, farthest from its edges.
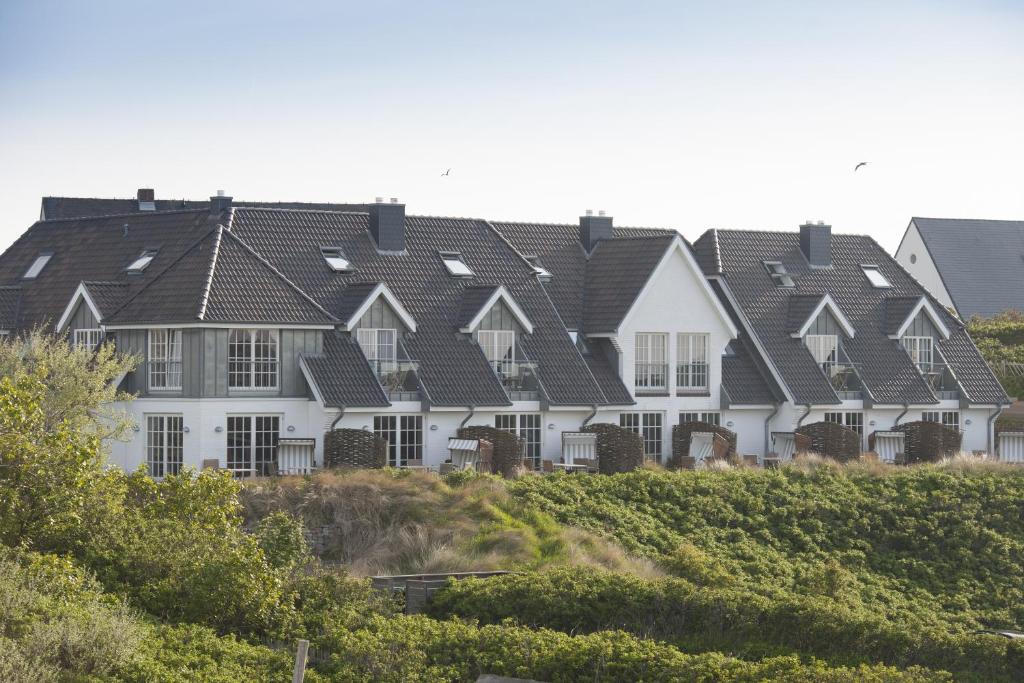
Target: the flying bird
(863, 163)
(446, 172)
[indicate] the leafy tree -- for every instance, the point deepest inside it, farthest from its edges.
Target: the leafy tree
(80, 385)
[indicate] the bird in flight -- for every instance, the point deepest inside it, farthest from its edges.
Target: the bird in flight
(446, 172)
(863, 163)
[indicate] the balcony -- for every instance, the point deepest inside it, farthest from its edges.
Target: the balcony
(651, 379)
(519, 379)
(398, 378)
(845, 380)
(691, 379)
(940, 380)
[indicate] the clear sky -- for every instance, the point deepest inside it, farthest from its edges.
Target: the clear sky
(670, 114)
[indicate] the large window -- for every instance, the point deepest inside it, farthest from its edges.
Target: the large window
(527, 427)
(164, 449)
(854, 420)
(252, 359)
(165, 359)
(921, 351)
(88, 338)
(649, 427)
(692, 362)
(825, 349)
(500, 348)
(380, 346)
(710, 418)
(947, 418)
(404, 435)
(252, 444)
(651, 370)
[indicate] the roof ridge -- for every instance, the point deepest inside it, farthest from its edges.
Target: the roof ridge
(136, 214)
(245, 207)
(205, 299)
(280, 275)
(163, 272)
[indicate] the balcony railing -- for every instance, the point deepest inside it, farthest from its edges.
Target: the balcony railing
(398, 378)
(940, 379)
(519, 379)
(691, 378)
(845, 379)
(651, 378)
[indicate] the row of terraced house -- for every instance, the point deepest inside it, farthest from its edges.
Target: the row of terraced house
(261, 324)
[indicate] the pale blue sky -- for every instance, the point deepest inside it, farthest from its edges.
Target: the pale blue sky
(674, 114)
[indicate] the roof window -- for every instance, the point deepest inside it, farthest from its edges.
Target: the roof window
(453, 262)
(38, 265)
(336, 259)
(141, 263)
(779, 275)
(875, 277)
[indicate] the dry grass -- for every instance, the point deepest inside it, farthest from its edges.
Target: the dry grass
(388, 522)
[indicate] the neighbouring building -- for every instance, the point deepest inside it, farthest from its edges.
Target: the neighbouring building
(263, 325)
(974, 267)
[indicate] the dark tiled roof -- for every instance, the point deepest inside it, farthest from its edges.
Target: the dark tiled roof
(964, 249)
(800, 308)
(342, 375)
(473, 299)
(599, 359)
(886, 369)
(10, 297)
(705, 250)
(221, 279)
(353, 297)
(453, 369)
(108, 296)
(90, 207)
(94, 250)
(616, 273)
(744, 380)
(897, 308)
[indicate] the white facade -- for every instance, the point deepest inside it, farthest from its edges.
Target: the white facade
(914, 257)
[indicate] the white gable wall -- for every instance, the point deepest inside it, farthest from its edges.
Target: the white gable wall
(923, 270)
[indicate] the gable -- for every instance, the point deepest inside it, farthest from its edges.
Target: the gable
(500, 317)
(921, 326)
(825, 323)
(380, 314)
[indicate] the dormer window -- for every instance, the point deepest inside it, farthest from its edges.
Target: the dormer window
(452, 260)
(500, 349)
(875, 277)
(37, 266)
(380, 346)
(780, 277)
(336, 259)
(142, 262)
(922, 352)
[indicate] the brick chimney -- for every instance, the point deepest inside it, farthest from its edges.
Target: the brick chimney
(387, 224)
(593, 229)
(816, 243)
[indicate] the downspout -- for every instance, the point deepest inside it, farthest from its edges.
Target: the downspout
(990, 434)
(341, 414)
(804, 416)
(590, 417)
(469, 416)
(896, 422)
(768, 427)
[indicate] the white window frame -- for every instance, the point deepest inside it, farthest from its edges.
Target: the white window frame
(336, 260)
(165, 359)
(875, 276)
(257, 372)
(780, 276)
(380, 346)
(253, 456)
(692, 368)
(854, 419)
(404, 436)
(529, 428)
(37, 266)
(946, 418)
(651, 428)
(165, 444)
(651, 351)
(711, 417)
(824, 348)
(88, 338)
(915, 347)
(142, 261)
(454, 264)
(494, 343)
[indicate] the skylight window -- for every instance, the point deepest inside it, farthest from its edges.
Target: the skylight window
(779, 275)
(453, 262)
(37, 266)
(540, 271)
(875, 277)
(141, 263)
(336, 259)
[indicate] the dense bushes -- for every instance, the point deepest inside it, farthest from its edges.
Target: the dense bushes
(1001, 341)
(727, 620)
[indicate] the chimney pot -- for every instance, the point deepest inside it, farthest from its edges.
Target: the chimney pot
(379, 200)
(816, 243)
(593, 229)
(600, 212)
(590, 212)
(394, 200)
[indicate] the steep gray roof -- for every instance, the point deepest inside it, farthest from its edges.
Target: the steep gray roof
(10, 297)
(885, 368)
(108, 296)
(91, 207)
(343, 376)
(617, 271)
(473, 299)
(981, 262)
